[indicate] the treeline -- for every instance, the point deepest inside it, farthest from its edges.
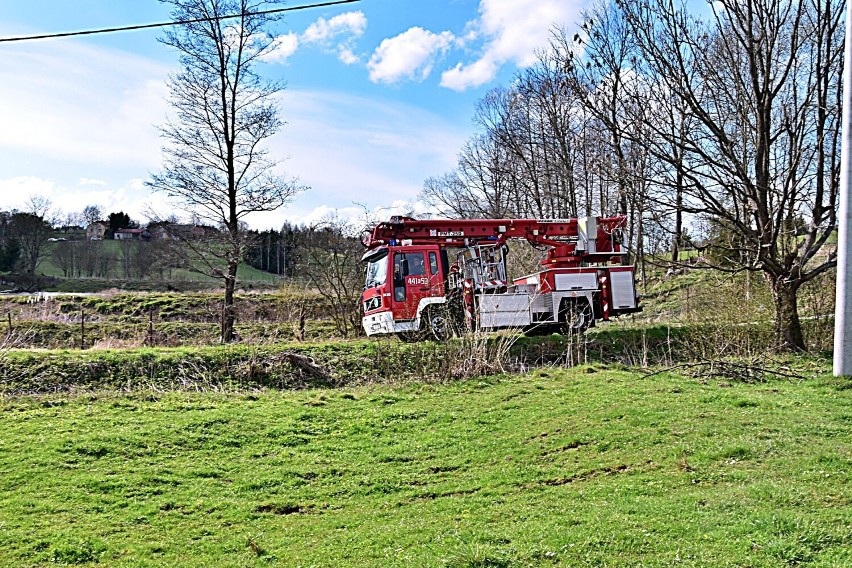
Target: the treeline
(22, 239)
(285, 252)
(718, 128)
(274, 251)
(325, 257)
(294, 251)
(122, 259)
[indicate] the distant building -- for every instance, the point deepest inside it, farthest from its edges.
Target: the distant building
(132, 235)
(96, 231)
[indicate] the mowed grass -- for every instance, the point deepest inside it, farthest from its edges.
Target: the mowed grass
(591, 466)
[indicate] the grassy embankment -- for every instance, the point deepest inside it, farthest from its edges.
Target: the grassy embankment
(687, 320)
(590, 466)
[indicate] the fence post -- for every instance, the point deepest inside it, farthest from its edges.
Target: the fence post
(151, 327)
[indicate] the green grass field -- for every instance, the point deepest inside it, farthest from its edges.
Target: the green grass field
(246, 273)
(593, 466)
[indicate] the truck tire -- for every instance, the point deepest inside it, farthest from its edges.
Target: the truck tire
(437, 323)
(575, 315)
(539, 329)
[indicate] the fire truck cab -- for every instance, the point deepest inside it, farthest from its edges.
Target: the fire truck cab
(401, 283)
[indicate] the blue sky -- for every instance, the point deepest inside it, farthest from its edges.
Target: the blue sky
(380, 95)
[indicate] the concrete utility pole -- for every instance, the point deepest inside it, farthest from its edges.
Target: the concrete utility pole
(843, 304)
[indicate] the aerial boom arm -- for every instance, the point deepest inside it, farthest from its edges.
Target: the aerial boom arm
(591, 238)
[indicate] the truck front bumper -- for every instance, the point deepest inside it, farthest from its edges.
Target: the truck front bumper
(376, 324)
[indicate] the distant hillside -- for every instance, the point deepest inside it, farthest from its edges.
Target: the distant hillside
(112, 275)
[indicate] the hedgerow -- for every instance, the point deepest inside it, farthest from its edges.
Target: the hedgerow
(328, 364)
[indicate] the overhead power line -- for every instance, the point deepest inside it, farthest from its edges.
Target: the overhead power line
(175, 23)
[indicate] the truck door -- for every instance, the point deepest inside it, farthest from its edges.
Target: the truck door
(411, 283)
(436, 274)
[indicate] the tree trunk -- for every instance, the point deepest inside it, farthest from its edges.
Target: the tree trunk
(678, 228)
(788, 328)
(640, 246)
(229, 313)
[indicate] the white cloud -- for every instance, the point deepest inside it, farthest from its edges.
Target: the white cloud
(347, 56)
(338, 34)
(346, 24)
(78, 128)
(410, 55)
(323, 213)
(282, 48)
(21, 188)
(80, 104)
(79, 123)
(512, 31)
(477, 73)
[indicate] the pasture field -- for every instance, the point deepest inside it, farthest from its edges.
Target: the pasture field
(591, 466)
(112, 249)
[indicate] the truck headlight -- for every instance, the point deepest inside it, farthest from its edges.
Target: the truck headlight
(373, 303)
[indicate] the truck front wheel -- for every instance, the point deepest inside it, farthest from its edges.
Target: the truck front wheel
(437, 323)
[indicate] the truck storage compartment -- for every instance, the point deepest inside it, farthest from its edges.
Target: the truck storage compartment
(504, 310)
(541, 306)
(623, 289)
(576, 280)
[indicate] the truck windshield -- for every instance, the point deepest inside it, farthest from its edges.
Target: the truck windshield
(377, 270)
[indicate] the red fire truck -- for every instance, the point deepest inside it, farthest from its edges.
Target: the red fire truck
(439, 277)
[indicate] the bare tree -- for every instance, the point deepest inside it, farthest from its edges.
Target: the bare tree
(65, 258)
(71, 219)
(91, 213)
(597, 64)
(550, 145)
(331, 258)
(31, 232)
(480, 186)
(761, 82)
(215, 166)
(41, 206)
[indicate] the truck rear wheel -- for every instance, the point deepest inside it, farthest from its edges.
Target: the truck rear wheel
(538, 329)
(575, 315)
